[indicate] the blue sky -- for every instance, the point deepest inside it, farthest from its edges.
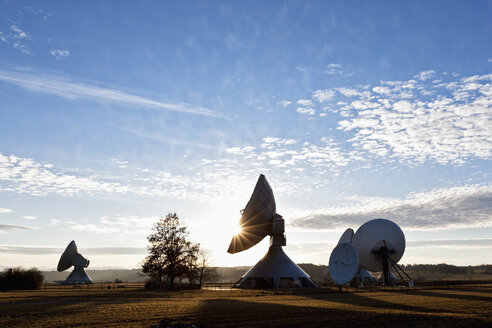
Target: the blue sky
(113, 114)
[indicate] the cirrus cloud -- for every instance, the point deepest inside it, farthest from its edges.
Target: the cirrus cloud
(445, 208)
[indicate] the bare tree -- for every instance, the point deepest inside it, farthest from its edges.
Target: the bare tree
(204, 271)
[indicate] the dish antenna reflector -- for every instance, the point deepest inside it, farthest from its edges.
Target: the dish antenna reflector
(346, 236)
(258, 220)
(344, 263)
(379, 243)
(71, 256)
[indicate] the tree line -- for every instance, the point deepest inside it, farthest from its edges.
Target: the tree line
(448, 268)
(18, 278)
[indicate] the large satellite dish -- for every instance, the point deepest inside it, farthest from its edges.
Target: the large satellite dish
(72, 257)
(344, 263)
(258, 220)
(379, 243)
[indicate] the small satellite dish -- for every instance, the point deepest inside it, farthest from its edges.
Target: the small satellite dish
(258, 220)
(379, 242)
(346, 236)
(344, 263)
(71, 256)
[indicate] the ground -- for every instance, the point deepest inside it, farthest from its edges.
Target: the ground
(465, 306)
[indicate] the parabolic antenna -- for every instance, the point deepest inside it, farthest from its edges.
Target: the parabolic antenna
(379, 242)
(256, 219)
(259, 219)
(344, 263)
(71, 256)
(346, 236)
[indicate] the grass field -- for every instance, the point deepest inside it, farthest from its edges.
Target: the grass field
(418, 307)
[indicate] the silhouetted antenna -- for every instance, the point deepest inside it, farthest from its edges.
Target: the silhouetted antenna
(258, 220)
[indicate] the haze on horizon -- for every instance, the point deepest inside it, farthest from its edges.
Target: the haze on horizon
(114, 115)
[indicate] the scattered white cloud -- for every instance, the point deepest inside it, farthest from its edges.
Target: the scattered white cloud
(332, 69)
(382, 90)
(348, 92)
(17, 38)
(284, 103)
(304, 110)
(59, 53)
(453, 126)
(425, 75)
(446, 208)
(29, 217)
(240, 150)
(5, 210)
(24, 175)
(305, 102)
(323, 95)
(70, 89)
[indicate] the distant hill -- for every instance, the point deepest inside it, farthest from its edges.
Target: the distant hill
(319, 273)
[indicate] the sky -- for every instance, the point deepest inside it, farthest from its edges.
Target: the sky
(113, 114)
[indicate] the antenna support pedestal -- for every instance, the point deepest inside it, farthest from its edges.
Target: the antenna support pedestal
(277, 238)
(384, 254)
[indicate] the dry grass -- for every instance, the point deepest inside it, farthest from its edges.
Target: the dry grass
(457, 307)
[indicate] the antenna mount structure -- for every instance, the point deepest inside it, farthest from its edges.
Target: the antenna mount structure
(72, 257)
(260, 219)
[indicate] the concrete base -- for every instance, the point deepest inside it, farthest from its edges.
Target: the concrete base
(77, 277)
(275, 270)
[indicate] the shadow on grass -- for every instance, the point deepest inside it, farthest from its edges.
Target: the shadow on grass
(240, 313)
(450, 294)
(369, 302)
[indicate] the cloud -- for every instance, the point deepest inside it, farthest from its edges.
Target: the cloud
(304, 110)
(332, 69)
(43, 250)
(5, 210)
(382, 90)
(425, 75)
(18, 33)
(451, 243)
(323, 95)
(348, 92)
(70, 89)
(24, 175)
(284, 103)
(29, 217)
(124, 224)
(305, 102)
(17, 38)
(451, 127)
(7, 227)
(447, 208)
(59, 53)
